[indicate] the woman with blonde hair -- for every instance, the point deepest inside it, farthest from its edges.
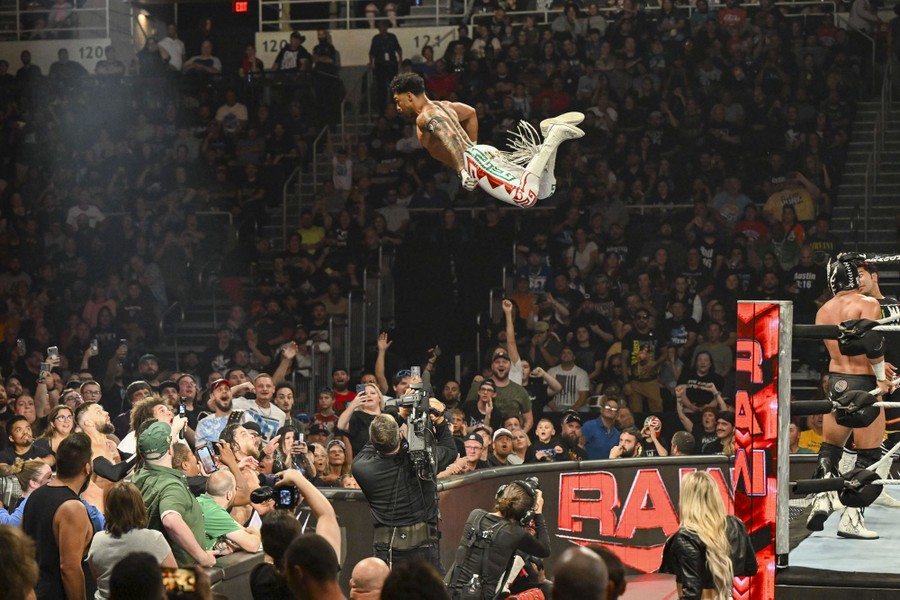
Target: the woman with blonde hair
(31, 474)
(710, 548)
(520, 445)
(359, 414)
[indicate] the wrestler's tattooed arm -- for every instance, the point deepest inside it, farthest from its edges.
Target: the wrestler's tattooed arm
(439, 126)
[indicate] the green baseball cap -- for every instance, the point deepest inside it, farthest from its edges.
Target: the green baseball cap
(154, 441)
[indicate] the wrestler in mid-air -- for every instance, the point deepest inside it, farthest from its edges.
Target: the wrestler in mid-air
(449, 131)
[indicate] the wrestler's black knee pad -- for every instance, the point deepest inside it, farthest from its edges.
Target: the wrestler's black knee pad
(868, 457)
(829, 457)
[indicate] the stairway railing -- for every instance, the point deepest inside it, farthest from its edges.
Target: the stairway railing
(176, 308)
(295, 179)
(873, 162)
(315, 156)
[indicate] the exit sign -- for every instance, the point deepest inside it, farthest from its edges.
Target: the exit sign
(240, 6)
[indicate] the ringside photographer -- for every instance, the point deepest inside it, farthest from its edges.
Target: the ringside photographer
(396, 471)
(491, 540)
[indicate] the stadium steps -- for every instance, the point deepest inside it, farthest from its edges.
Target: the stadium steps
(885, 203)
(300, 197)
(198, 330)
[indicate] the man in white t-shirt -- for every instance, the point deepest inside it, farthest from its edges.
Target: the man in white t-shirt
(232, 115)
(174, 47)
(84, 213)
(263, 411)
(574, 380)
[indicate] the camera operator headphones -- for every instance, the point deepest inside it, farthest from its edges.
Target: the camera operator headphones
(528, 516)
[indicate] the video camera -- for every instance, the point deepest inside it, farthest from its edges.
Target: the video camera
(420, 449)
(286, 498)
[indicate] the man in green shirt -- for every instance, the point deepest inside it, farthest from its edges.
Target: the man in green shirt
(512, 399)
(219, 525)
(171, 507)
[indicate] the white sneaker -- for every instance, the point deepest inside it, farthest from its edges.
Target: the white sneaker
(822, 507)
(853, 525)
(571, 118)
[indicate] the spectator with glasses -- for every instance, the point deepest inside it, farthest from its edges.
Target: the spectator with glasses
(91, 391)
(60, 424)
(71, 398)
(601, 434)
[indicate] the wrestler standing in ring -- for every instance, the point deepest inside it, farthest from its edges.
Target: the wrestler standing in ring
(847, 373)
(449, 130)
(868, 286)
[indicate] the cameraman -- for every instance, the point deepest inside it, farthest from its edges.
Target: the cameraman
(403, 505)
(491, 539)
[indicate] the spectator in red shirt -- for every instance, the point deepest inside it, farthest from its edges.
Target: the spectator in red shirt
(559, 98)
(340, 383)
(443, 84)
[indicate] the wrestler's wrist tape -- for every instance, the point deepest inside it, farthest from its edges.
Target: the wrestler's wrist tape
(880, 375)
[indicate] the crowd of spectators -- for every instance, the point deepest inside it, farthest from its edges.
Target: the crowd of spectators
(714, 141)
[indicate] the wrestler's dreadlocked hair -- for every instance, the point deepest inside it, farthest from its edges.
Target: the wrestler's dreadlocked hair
(408, 82)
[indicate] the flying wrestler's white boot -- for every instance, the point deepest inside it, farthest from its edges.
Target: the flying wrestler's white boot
(556, 135)
(572, 118)
(853, 525)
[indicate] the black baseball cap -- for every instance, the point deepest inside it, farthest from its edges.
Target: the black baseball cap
(572, 417)
(474, 437)
(316, 429)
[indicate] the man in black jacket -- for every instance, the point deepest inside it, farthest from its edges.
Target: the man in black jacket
(403, 506)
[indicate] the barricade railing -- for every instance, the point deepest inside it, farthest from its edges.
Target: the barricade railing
(275, 15)
(51, 24)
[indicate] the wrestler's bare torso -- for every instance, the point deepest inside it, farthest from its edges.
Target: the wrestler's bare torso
(847, 305)
(445, 129)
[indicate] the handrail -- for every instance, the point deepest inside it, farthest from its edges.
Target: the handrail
(349, 338)
(284, 201)
(542, 17)
(364, 316)
(478, 340)
(873, 161)
(162, 331)
(315, 155)
(356, 93)
(846, 21)
(74, 11)
(473, 211)
(864, 209)
(204, 276)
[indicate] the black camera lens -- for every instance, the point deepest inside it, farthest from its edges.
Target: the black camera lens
(262, 494)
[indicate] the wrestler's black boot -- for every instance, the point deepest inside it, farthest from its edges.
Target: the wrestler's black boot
(853, 523)
(823, 505)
